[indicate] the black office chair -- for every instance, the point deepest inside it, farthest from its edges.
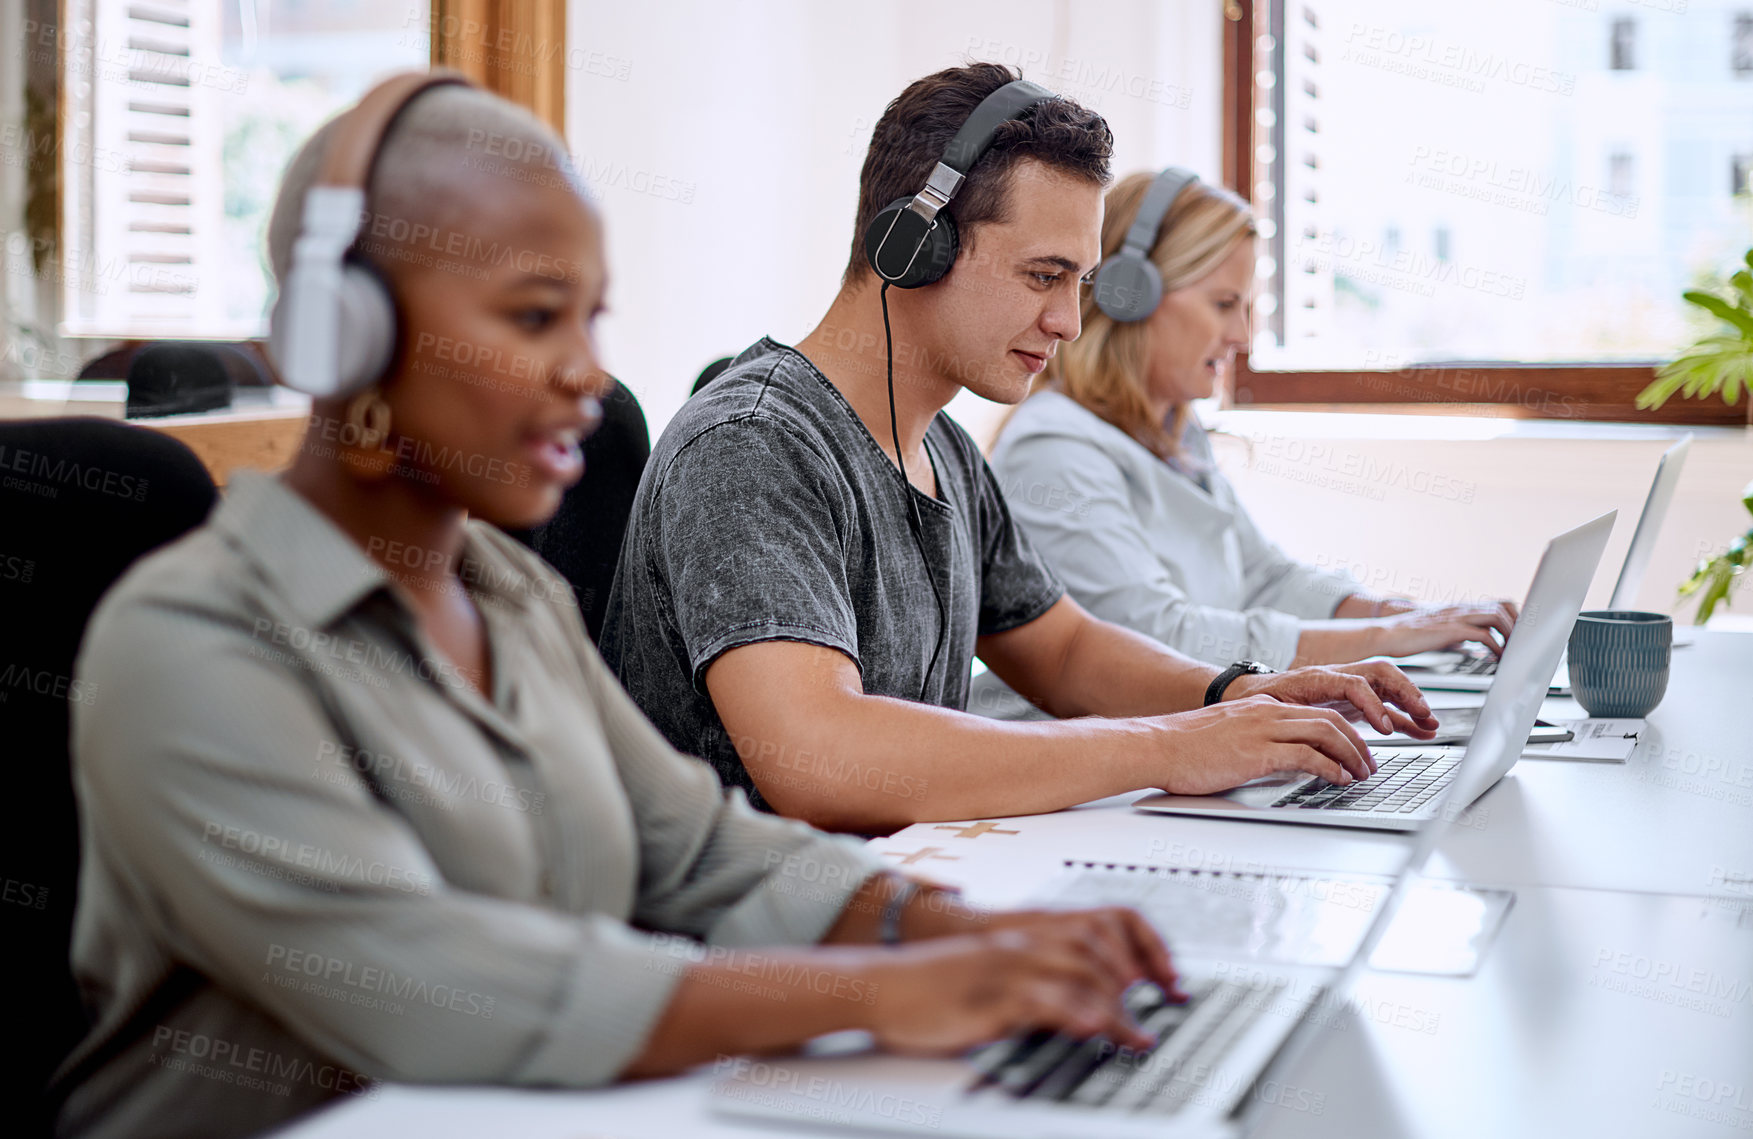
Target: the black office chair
(583, 539)
(114, 364)
(172, 378)
(242, 361)
(709, 373)
(80, 501)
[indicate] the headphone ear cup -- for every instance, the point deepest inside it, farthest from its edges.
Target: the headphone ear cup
(942, 248)
(367, 316)
(907, 251)
(1128, 287)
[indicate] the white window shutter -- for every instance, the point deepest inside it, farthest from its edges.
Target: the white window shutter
(142, 167)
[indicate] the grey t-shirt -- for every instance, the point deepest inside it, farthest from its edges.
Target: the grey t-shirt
(768, 512)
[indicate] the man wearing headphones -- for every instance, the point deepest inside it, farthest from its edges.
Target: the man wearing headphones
(816, 554)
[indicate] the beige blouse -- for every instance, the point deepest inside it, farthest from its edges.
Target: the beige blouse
(314, 857)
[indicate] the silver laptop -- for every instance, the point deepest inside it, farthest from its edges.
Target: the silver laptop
(1222, 1065)
(1473, 671)
(1409, 781)
(1649, 525)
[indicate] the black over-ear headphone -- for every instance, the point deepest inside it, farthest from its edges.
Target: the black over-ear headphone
(1128, 286)
(912, 242)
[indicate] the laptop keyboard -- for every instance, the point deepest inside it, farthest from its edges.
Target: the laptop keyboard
(1405, 780)
(1192, 1038)
(1477, 664)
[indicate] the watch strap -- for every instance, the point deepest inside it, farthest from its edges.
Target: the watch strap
(1215, 690)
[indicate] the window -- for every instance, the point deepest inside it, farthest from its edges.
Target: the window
(1478, 197)
(181, 116)
(141, 153)
(1741, 51)
(1621, 45)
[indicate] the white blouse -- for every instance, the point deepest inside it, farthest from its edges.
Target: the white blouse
(1145, 545)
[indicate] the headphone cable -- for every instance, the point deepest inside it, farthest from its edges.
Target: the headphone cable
(913, 522)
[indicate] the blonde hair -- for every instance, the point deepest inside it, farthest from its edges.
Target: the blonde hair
(1105, 369)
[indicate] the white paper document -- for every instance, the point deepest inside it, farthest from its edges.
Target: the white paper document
(1443, 928)
(1601, 741)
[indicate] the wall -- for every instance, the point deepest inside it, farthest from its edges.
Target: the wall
(725, 142)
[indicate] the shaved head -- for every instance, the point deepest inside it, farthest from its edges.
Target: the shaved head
(494, 256)
(452, 150)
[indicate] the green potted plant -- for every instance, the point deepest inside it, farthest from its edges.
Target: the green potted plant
(1722, 362)
(1714, 578)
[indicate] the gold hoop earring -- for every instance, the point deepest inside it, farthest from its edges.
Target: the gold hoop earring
(369, 417)
(365, 430)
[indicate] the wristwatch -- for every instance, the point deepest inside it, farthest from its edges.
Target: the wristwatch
(1214, 691)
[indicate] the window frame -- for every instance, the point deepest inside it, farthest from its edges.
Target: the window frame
(513, 48)
(1579, 390)
(1622, 49)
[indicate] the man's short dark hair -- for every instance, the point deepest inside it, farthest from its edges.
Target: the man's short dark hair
(910, 138)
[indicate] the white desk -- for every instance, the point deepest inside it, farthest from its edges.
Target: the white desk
(1676, 818)
(1545, 1041)
(1617, 1000)
(1555, 1036)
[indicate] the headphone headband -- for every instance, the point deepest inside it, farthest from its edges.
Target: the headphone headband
(1128, 285)
(1163, 191)
(908, 230)
(994, 111)
(359, 135)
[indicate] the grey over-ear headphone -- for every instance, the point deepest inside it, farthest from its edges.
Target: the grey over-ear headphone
(1128, 286)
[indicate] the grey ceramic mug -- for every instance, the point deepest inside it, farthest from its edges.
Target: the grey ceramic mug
(1619, 661)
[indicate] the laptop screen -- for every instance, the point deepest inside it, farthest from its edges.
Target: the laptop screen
(1649, 525)
(1512, 704)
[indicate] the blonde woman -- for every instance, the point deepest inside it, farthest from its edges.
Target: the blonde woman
(1112, 476)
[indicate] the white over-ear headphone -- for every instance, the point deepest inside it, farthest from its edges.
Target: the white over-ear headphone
(333, 328)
